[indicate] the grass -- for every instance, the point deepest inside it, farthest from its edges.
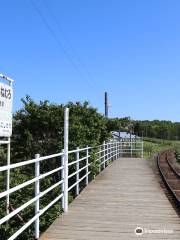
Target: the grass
(153, 145)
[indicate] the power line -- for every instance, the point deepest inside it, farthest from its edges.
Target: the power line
(67, 40)
(54, 35)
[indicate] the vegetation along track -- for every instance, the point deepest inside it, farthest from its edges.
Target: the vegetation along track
(170, 173)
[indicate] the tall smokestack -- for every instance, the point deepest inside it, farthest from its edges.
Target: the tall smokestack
(106, 104)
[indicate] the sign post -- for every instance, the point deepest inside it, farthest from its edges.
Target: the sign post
(6, 100)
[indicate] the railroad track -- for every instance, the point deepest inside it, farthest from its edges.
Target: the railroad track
(170, 174)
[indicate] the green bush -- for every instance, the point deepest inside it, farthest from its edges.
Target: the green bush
(38, 128)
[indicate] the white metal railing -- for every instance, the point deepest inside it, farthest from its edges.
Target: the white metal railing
(82, 168)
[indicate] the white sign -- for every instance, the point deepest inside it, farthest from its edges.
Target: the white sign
(6, 99)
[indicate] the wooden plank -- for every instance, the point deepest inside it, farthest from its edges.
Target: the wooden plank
(122, 197)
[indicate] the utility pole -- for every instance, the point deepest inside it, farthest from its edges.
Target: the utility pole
(106, 104)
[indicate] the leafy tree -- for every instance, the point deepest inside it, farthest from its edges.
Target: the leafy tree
(38, 128)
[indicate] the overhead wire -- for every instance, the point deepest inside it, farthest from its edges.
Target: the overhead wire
(51, 13)
(59, 43)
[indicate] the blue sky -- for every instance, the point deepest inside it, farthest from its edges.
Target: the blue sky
(66, 50)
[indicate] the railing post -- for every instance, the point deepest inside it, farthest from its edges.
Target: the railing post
(100, 159)
(116, 151)
(77, 170)
(37, 191)
(114, 154)
(131, 146)
(109, 153)
(110, 150)
(87, 163)
(113, 151)
(104, 155)
(121, 148)
(62, 178)
(142, 150)
(8, 174)
(66, 138)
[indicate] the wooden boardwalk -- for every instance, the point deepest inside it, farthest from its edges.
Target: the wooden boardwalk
(126, 195)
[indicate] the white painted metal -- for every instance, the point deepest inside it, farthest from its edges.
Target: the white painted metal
(37, 192)
(20, 186)
(34, 218)
(74, 173)
(87, 165)
(66, 133)
(105, 153)
(24, 163)
(142, 150)
(8, 174)
(3, 142)
(77, 171)
(62, 177)
(17, 210)
(100, 152)
(80, 149)
(81, 159)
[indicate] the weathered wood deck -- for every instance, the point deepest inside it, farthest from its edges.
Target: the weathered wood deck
(122, 197)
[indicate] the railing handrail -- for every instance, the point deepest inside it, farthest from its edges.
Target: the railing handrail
(28, 162)
(105, 153)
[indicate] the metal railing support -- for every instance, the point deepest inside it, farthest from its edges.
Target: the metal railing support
(104, 154)
(110, 153)
(66, 140)
(37, 192)
(121, 149)
(116, 150)
(142, 151)
(87, 165)
(62, 177)
(77, 169)
(100, 160)
(8, 174)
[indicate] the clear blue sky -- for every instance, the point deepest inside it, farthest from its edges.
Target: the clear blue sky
(75, 50)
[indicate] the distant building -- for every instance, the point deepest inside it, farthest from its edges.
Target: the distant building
(124, 135)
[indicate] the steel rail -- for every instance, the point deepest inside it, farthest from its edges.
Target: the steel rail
(166, 181)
